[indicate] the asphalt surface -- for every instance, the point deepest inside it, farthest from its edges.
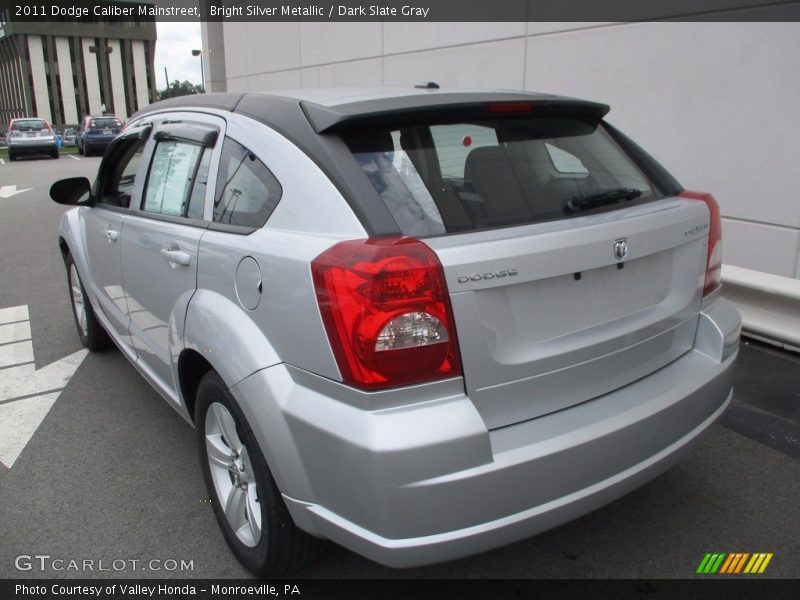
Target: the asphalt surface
(112, 472)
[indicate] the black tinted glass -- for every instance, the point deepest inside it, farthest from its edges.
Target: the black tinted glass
(247, 192)
(448, 177)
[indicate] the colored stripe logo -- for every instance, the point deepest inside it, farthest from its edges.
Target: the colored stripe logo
(734, 563)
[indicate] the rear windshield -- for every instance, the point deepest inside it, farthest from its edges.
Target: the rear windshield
(32, 125)
(105, 123)
(452, 177)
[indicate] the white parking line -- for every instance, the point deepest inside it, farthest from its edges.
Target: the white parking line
(72, 156)
(15, 332)
(2, 162)
(16, 353)
(26, 393)
(14, 314)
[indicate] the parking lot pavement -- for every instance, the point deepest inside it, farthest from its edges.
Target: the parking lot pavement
(766, 405)
(111, 473)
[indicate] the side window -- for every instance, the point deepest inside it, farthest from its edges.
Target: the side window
(169, 181)
(118, 184)
(247, 192)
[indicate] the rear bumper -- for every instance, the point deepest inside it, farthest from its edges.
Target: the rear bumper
(98, 142)
(32, 147)
(414, 484)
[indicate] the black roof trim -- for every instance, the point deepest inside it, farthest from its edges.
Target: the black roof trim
(455, 106)
(329, 153)
(312, 127)
(222, 101)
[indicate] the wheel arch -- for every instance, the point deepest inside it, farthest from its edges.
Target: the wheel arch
(226, 337)
(192, 366)
(64, 247)
(220, 335)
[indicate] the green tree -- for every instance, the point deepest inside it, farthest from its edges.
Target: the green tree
(180, 88)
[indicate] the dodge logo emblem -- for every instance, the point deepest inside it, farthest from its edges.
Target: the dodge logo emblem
(621, 248)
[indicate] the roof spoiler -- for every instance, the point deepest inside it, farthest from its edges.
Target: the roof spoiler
(447, 107)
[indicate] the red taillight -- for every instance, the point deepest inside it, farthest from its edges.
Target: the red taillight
(714, 256)
(385, 308)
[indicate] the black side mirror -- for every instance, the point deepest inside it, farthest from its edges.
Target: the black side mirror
(74, 191)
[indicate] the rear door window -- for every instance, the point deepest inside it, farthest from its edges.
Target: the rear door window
(438, 178)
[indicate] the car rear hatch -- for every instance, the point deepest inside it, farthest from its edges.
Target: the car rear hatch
(547, 316)
(572, 267)
(31, 132)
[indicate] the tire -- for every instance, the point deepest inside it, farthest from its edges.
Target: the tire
(260, 532)
(54, 154)
(80, 149)
(91, 332)
(12, 157)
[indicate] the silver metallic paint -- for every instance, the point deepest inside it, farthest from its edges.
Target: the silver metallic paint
(386, 473)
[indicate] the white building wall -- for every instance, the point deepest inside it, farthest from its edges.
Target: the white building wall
(140, 73)
(716, 103)
(39, 78)
(117, 81)
(92, 79)
(213, 40)
(67, 85)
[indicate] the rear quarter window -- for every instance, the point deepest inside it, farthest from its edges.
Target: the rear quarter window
(247, 191)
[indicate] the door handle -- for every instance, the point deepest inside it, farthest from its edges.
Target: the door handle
(112, 235)
(176, 257)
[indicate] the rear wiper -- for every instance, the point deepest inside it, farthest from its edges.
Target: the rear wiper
(608, 197)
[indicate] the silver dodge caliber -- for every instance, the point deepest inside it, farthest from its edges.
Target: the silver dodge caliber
(419, 323)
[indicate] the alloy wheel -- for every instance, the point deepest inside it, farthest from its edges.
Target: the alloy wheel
(233, 476)
(78, 300)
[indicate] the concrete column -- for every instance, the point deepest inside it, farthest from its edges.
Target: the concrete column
(39, 78)
(213, 37)
(92, 79)
(17, 71)
(140, 71)
(117, 81)
(48, 42)
(67, 86)
(24, 71)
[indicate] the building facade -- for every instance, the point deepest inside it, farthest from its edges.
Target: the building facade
(716, 103)
(63, 70)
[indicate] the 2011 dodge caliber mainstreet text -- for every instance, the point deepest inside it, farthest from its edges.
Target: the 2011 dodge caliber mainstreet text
(418, 323)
